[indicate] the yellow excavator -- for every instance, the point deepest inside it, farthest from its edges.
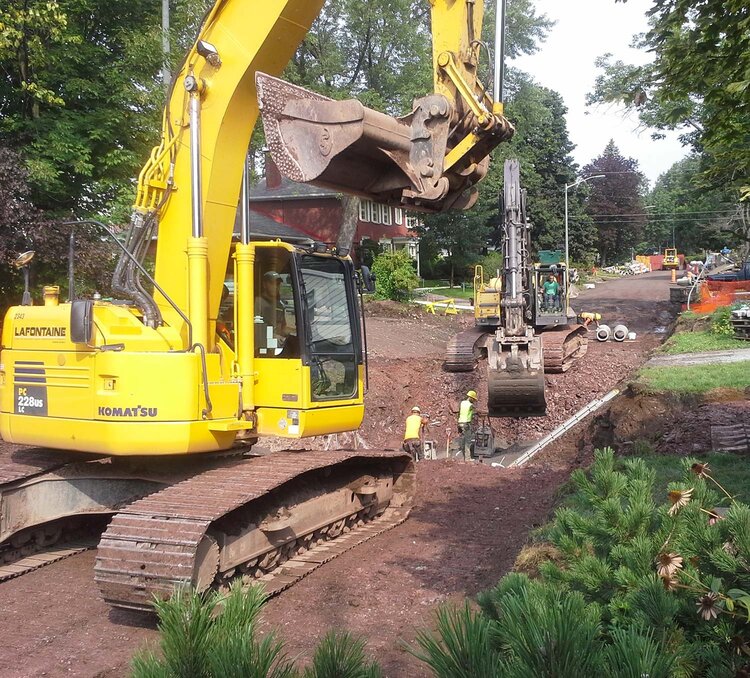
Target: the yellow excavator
(522, 323)
(137, 407)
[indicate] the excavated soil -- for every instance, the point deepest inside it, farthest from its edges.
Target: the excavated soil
(671, 423)
(468, 523)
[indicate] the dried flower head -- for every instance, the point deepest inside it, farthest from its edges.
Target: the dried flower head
(667, 564)
(679, 498)
(707, 606)
(670, 583)
(701, 470)
(729, 548)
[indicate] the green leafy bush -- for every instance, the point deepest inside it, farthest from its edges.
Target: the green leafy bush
(395, 277)
(720, 322)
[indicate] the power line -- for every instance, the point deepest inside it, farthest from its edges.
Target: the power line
(663, 221)
(656, 214)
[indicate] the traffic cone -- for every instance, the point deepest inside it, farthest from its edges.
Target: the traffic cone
(674, 275)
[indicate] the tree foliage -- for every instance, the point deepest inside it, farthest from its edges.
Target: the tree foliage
(624, 586)
(698, 82)
(217, 636)
(699, 218)
(24, 227)
(80, 95)
(615, 203)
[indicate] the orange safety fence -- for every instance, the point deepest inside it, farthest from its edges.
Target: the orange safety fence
(730, 286)
(715, 294)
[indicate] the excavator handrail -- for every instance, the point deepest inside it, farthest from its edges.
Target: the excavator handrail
(150, 278)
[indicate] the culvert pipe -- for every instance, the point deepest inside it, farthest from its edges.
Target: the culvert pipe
(620, 333)
(603, 333)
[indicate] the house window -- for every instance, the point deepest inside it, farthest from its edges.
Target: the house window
(365, 210)
(398, 215)
(385, 215)
(412, 222)
(375, 212)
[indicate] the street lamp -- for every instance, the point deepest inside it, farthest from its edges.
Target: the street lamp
(567, 186)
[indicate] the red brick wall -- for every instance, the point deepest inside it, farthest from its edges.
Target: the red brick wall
(320, 218)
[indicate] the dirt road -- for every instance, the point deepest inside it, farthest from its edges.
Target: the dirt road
(463, 535)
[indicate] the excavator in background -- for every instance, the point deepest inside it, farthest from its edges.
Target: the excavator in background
(520, 329)
(136, 406)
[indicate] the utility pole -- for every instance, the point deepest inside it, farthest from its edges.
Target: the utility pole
(166, 74)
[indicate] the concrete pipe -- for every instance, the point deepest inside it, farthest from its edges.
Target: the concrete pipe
(603, 333)
(620, 333)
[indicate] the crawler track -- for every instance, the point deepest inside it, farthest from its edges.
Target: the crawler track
(247, 518)
(41, 558)
(465, 350)
(562, 346)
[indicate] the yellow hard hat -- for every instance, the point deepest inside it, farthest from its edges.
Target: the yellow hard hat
(472, 394)
(415, 409)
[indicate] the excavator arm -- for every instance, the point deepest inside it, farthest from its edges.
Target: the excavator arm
(188, 190)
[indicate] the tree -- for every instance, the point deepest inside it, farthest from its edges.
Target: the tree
(24, 227)
(80, 95)
(699, 218)
(394, 275)
(698, 82)
(616, 203)
(542, 145)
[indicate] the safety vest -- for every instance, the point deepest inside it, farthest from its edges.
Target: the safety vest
(413, 424)
(466, 412)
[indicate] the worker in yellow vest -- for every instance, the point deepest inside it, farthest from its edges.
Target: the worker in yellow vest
(465, 418)
(415, 424)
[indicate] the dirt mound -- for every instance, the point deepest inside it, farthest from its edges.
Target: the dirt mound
(385, 308)
(672, 423)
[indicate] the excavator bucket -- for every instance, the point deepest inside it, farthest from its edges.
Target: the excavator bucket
(515, 378)
(350, 148)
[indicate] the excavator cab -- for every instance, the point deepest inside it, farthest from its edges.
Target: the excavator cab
(82, 375)
(306, 341)
(550, 289)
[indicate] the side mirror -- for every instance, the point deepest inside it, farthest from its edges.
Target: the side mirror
(82, 322)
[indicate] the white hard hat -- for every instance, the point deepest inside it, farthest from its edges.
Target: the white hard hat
(415, 409)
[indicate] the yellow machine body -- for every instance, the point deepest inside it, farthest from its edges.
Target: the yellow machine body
(149, 375)
(132, 390)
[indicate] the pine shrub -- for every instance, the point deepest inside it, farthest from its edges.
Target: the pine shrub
(215, 635)
(636, 587)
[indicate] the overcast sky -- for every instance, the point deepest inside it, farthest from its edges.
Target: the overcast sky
(584, 30)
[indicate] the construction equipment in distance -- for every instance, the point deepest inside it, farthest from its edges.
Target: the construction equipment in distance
(671, 260)
(146, 398)
(519, 330)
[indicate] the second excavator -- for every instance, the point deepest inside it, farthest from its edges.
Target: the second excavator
(522, 319)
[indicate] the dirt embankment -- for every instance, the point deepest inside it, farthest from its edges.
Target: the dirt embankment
(672, 423)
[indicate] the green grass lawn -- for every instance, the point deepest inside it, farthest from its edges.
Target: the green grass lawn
(697, 342)
(457, 292)
(731, 470)
(696, 378)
